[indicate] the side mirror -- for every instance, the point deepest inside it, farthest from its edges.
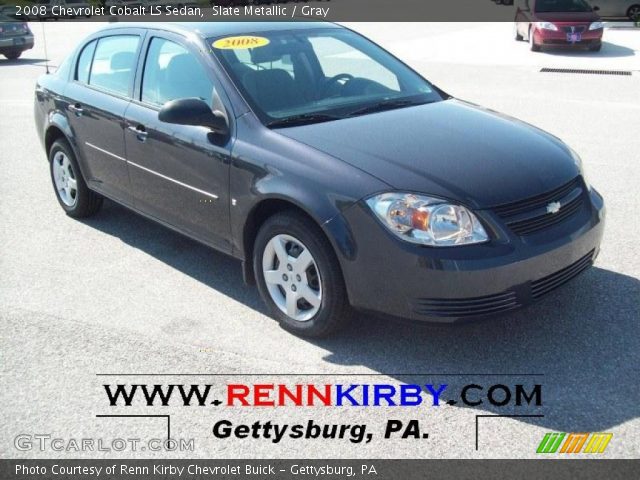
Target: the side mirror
(193, 111)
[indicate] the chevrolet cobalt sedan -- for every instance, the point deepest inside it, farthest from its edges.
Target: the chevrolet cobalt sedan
(341, 178)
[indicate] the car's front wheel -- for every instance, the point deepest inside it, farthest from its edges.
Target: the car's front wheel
(71, 190)
(299, 277)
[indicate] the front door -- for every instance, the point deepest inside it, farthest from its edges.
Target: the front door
(179, 173)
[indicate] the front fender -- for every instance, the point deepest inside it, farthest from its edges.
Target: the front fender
(269, 167)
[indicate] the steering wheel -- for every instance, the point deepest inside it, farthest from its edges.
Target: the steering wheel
(328, 85)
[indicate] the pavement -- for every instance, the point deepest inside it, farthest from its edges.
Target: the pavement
(119, 294)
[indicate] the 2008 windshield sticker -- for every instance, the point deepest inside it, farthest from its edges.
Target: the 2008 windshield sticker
(239, 43)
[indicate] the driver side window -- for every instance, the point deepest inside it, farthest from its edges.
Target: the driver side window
(336, 57)
(172, 72)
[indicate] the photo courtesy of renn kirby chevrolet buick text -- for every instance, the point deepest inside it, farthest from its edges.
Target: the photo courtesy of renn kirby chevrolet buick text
(340, 177)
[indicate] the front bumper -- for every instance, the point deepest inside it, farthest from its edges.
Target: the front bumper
(17, 42)
(550, 38)
(388, 276)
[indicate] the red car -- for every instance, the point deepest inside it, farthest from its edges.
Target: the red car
(559, 23)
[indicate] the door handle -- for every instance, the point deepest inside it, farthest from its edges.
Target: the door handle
(77, 109)
(140, 132)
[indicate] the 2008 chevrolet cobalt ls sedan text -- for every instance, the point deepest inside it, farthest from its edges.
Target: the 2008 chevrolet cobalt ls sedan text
(339, 176)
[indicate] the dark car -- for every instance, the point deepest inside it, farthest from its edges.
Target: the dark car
(559, 23)
(338, 176)
(15, 38)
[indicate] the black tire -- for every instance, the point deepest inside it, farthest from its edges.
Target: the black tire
(87, 202)
(595, 48)
(13, 55)
(634, 13)
(334, 311)
(533, 46)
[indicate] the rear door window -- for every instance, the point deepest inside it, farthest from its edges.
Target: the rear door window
(114, 63)
(84, 62)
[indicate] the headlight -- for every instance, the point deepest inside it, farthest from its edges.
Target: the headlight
(580, 165)
(596, 26)
(546, 26)
(427, 220)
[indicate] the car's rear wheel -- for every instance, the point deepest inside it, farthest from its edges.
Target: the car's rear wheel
(532, 42)
(595, 48)
(634, 12)
(71, 190)
(299, 277)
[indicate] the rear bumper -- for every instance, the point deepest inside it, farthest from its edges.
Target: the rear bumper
(18, 42)
(389, 276)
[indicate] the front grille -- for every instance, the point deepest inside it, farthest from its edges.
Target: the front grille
(547, 284)
(529, 226)
(578, 29)
(531, 215)
(501, 302)
(466, 307)
(582, 43)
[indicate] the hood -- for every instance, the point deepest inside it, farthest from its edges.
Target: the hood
(567, 17)
(449, 149)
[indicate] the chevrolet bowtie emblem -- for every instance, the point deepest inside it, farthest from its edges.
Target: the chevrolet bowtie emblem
(553, 207)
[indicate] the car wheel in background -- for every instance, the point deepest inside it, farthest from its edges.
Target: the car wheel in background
(634, 12)
(299, 277)
(71, 190)
(532, 42)
(13, 55)
(595, 48)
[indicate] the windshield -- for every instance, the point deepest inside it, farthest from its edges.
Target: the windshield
(318, 75)
(549, 6)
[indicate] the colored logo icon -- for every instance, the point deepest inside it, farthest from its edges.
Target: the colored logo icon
(574, 443)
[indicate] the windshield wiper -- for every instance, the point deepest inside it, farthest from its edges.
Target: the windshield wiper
(303, 119)
(385, 105)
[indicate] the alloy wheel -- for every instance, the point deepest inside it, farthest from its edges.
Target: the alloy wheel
(65, 179)
(292, 277)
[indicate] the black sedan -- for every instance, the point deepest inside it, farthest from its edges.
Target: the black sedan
(341, 178)
(15, 37)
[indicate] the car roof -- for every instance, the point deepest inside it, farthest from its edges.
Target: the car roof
(216, 29)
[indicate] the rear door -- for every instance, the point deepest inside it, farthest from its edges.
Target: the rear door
(179, 173)
(97, 98)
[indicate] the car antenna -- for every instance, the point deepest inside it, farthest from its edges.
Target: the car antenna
(46, 55)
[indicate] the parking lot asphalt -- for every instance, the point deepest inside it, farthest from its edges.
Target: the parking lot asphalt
(119, 294)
